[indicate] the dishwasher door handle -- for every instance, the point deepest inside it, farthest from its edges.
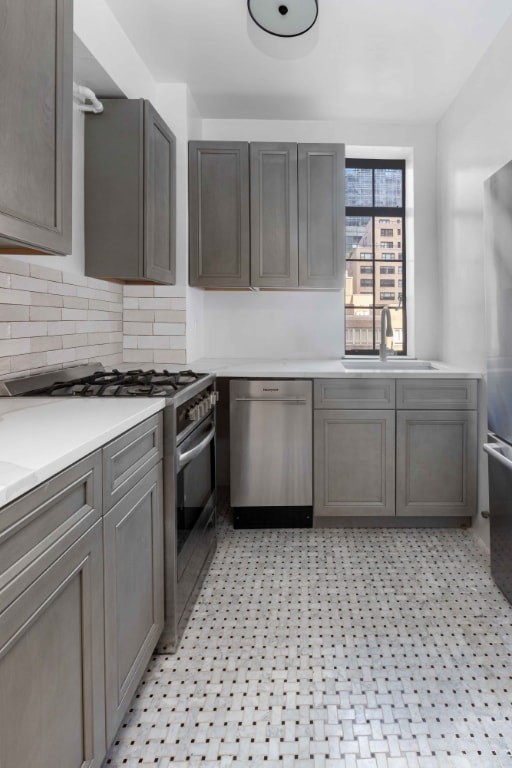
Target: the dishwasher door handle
(495, 453)
(291, 400)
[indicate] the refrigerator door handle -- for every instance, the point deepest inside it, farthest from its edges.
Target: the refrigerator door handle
(493, 450)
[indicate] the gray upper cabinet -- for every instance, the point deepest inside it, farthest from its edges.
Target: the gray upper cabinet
(219, 214)
(274, 234)
(36, 137)
(130, 194)
(321, 215)
(294, 234)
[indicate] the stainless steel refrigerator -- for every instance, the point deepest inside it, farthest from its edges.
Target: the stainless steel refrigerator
(498, 307)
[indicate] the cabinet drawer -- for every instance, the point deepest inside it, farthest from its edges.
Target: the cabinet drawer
(436, 394)
(355, 393)
(128, 458)
(40, 526)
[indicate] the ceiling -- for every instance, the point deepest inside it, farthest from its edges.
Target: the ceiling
(392, 60)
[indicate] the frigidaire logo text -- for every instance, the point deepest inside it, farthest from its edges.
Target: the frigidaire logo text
(271, 390)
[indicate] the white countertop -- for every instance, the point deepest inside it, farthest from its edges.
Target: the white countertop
(42, 436)
(324, 368)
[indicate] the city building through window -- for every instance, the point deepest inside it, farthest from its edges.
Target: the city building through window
(375, 196)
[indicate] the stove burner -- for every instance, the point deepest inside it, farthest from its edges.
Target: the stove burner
(145, 390)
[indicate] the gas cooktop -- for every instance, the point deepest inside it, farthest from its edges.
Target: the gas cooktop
(92, 380)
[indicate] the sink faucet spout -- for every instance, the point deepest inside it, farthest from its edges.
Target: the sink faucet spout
(386, 331)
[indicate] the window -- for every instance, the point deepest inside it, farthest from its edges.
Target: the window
(375, 215)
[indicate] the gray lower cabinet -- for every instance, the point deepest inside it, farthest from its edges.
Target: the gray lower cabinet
(436, 463)
(36, 96)
(52, 706)
(134, 595)
(409, 453)
(354, 464)
(81, 602)
(218, 186)
(266, 215)
(130, 193)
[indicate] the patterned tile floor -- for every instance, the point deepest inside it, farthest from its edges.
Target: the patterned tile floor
(333, 649)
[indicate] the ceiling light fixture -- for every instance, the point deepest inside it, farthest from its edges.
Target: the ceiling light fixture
(284, 18)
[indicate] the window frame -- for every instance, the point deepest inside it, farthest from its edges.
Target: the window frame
(377, 213)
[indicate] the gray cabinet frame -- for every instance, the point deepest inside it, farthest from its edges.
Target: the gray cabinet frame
(219, 214)
(55, 626)
(134, 594)
(274, 216)
(36, 61)
(436, 472)
(130, 194)
(354, 463)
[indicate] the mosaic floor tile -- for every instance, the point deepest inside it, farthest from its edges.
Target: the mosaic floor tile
(334, 648)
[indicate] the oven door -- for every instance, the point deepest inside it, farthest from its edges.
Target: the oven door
(195, 495)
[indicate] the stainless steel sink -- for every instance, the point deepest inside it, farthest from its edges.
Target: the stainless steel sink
(388, 365)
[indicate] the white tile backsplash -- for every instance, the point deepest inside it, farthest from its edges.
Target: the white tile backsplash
(51, 319)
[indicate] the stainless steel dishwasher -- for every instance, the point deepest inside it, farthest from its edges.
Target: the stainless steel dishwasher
(271, 453)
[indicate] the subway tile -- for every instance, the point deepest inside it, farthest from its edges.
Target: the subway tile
(138, 356)
(130, 303)
(178, 304)
(75, 340)
(46, 300)
(106, 306)
(10, 312)
(10, 296)
(5, 280)
(172, 291)
(101, 326)
(105, 338)
(169, 329)
(75, 314)
(170, 316)
(170, 356)
(138, 290)
(45, 273)
(130, 342)
(5, 366)
(73, 278)
(75, 302)
(14, 266)
(153, 342)
(45, 343)
(5, 330)
(139, 316)
(13, 347)
(61, 356)
(22, 283)
(61, 327)
(21, 363)
(62, 289)
(45, 313)
(138, 329)
(26, 330)
(158, 303)
(177, 342)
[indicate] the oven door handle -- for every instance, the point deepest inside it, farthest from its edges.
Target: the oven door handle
(187, 456)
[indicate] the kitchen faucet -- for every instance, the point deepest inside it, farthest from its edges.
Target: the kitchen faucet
(386, 331)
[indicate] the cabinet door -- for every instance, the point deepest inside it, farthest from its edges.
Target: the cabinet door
(134, 597)
(219, 214)
(354, 463)
(52, 710)
(436, 463)
(321, 215)
(159, 199)
(274, 236)
(36, 62)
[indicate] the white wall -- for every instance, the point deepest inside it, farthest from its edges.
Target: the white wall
(474, 140)
(305, 324)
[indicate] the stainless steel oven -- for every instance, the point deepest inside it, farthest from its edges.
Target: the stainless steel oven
(189, 467)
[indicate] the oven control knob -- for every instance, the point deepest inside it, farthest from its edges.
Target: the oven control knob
(204, 406)
(193, 413)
